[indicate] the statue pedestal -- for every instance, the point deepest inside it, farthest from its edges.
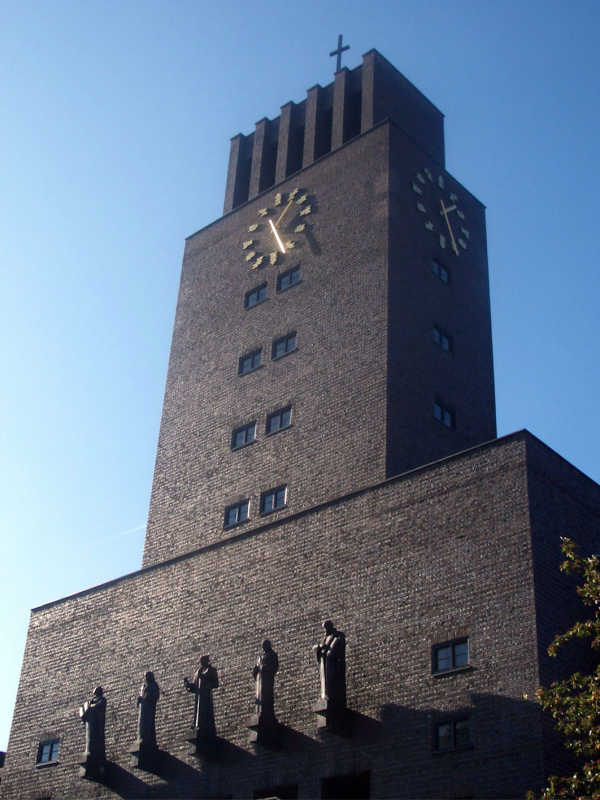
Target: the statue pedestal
(265, 731)
(145, 756)
(201, 743)
(93, 769)
(332, 717)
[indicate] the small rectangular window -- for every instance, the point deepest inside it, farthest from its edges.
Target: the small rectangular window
(444, 415)
(451, 655)
(244, 435)
(441, 271)
(287, 279)
(283, 346)
(48, 751)
(236, 513)
(452, 734)
(255, 296)
(443, 339)
(273, 499)
(251, 361)
(279, 419)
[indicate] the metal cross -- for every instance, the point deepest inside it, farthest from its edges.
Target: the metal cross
(339, 52)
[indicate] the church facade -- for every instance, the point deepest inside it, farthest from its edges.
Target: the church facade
(327, 452)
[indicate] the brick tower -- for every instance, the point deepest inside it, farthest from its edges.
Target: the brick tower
(327, 452)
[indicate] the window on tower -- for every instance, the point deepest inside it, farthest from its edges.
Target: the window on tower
(287, 279)
(244, 435)
(47, 751)
(450, 656)
(249, 362)
(279, 419)
(239, 512)
(452, 734)
(255, 296)
(444, 414)
(443, 339)
(283, 346)
(273, 499)
(441, 271)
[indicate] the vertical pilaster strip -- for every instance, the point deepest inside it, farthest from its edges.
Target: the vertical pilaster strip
(340, 90)
(310, 130)
(283, 144)
(257, 157)
(233, 173)
(368, 91)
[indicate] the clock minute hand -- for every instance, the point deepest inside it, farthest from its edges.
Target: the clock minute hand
(444, 212)
(274, 229)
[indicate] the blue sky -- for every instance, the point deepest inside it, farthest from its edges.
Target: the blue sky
(115, 128)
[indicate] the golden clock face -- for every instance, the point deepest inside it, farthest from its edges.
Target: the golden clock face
(278, 229)
(441, 212)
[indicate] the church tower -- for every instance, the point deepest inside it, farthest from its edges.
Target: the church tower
(341, 302)
(348, 584)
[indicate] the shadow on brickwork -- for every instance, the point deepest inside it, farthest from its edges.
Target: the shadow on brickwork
(125, 784)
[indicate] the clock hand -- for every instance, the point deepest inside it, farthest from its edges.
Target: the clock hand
(284, 212)
(450, 208)
(274, 229)
(445, 215)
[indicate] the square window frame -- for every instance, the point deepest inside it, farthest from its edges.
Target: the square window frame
(443, 335)
(278, 413)
(273, 492)
(251, 355)
(50, 761)
(244, 429)
(285, 339)
(441, 269)
(453, 669)
(452, 721)
(250, 292)
(444, 409)
(285, 274)
(228, 525)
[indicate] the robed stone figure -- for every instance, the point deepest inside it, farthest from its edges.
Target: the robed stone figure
(93, 715)
(264, 675)
(202, 685)
(147, 700)
(331, 657)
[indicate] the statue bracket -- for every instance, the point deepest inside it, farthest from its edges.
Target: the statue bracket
(333, 717)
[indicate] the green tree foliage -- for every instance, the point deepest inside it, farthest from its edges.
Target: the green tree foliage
(575, 702)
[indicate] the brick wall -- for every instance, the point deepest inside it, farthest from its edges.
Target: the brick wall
(442, 552)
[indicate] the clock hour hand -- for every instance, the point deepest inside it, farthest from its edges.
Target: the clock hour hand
(444, 213)
(450, 208)
(284, 212)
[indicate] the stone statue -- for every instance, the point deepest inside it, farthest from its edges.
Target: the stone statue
(331, 657)
(93, 715)
(205, 680)
(149, 694)
(264, 675)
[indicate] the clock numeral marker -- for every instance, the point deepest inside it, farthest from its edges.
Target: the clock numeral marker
(277, 199)
(262, 212)
(420, 178)
(252, 228)
(454, 198)
(299, 228)
(429, 175)
(305, 211)
(290, 245)
(302, 199)
(416, 189)
(247, 244)
(442, 242)
(463, 244)
(258, 262)
(421, 208)
(250, 255)
(273, 257)
(466, 232)
(440, 181)
(460, 214)
(429, 225)
(293, 194)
